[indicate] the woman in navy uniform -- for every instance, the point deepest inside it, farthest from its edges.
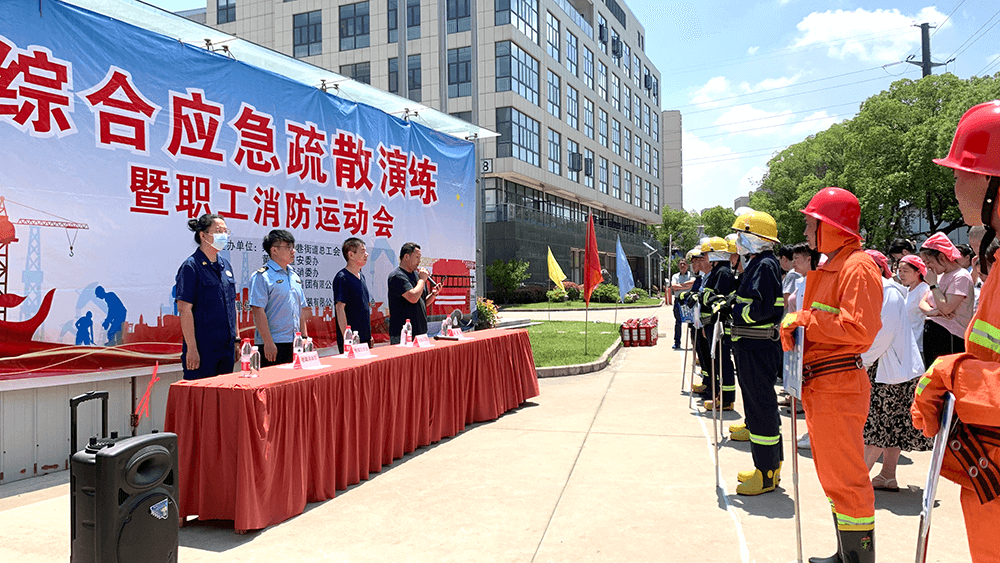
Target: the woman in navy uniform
(206, 300)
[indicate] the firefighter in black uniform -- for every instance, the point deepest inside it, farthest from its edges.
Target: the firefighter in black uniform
(719, 285)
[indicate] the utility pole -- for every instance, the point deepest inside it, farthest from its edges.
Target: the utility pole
(925, 62)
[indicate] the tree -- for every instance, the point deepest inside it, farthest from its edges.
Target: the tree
(718, 221)
(507, 276)
(683, 225)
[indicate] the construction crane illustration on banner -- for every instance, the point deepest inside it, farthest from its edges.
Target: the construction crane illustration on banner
(32, 274)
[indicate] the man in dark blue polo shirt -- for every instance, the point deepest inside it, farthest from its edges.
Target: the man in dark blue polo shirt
(206, 302)
(408, 295)
(351, 298)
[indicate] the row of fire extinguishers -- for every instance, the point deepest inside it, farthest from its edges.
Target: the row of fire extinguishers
(640, 332)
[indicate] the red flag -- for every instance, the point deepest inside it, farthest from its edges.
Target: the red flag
(591, 263)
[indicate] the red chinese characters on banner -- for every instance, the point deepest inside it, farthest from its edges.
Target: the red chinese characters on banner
(423, 184)
(267, 201)
(327, 214)
(306, 149)
(382, 221)
(149, 186)
(393, 163)
(351, 162)
(233, 189)
(255, 143)
(194, 127)
(122, 115)
(356, 218)
(296, 210)
(194, 194)
(35, 91)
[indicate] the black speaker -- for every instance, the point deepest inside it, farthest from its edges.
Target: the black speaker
(123, 506)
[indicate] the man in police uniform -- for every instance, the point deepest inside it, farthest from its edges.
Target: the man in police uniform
(277, 300)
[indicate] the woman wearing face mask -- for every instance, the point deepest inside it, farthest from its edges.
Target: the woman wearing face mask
(949, 303)
(206, 297)
(911, 273)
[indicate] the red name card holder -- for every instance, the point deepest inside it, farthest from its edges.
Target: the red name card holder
(307, 360)
(422, 341)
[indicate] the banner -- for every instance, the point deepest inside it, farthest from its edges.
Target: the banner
(113, 137)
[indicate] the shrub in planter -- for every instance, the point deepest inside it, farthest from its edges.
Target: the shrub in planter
(528, 294)
(605, 293)
(556, 295)
(639, 293)
(573, 290)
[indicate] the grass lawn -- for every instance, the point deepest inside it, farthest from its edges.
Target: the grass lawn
(578, 305)
(560, 343)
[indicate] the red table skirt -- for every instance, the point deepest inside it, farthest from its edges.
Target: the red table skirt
(255, 451)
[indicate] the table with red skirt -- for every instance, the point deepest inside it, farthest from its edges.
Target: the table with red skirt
(256, 450)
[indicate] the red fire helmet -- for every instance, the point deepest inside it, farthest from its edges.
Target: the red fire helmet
(976, 146)
(837, 207)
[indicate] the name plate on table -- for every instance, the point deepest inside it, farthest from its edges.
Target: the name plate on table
(307, 360)
(362, 351)
(422, 341)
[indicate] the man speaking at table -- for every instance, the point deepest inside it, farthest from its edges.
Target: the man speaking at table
(408, 294)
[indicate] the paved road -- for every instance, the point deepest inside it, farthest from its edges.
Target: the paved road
(610, 466)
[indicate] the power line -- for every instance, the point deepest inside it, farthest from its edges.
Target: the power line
(987, 67)
(940, 25)
(974, 34)
(773, 126)
(772, 117)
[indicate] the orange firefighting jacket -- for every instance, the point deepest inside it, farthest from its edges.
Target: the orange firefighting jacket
(974, 379)
(844, 299)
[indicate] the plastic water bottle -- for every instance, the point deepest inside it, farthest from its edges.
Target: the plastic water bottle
(297, 343)
(254, 362)
(446, 327)
(246, 350)
(349, 342)
(407, 337)
(308, 345)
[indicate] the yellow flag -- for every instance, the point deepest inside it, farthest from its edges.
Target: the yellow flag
(555, 272)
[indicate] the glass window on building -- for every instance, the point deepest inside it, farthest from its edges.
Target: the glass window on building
(225, 11)
(602, 132)
(522, 13)
(588, 68)
(645, 118)
(392, 17)
(572, 147)
(588, 118)
(656, 127)
(636, 67)
(412, 20)
(555, 95)
(354, 26)
(555, 153)
(602, 81)
(616, 92)
(602, 178)
(516, 71)
(459, 16)
(572, 107)
(645, 156)
(413, 83)
(588, 179)
(627, 185)
(656, 199)
(616, 137)
(616, 181)
(642, 43)
(571, 53)
(307, 34)
(460, 72)
(518, 136)
(626, 60)
(627, 104)
(362, 72)
(638, 191)
(647, 206)
(656, 163)
(463, 115)
(637, 151)
(627, 145)
(552, 39)
(394, 75)
(637, 109)
(601, 22)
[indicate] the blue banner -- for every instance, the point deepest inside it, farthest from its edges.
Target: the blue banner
(112, 137)
(625, 281)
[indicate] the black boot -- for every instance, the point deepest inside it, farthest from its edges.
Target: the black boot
(858, 547)
(835, 558)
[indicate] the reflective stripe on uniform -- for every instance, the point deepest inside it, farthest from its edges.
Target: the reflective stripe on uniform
(922, 384)
(729, 388)
(986, 335)
(744, 299)
(764, 440)
(746, 315)
(779, 302)
(822, 307)
(847, 523)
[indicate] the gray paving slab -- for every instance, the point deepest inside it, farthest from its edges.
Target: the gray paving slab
(609, 466)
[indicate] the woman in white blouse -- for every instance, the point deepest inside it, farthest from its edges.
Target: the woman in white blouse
(911, 272)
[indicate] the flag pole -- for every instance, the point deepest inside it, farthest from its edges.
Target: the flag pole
(586, 325)
(550, 307)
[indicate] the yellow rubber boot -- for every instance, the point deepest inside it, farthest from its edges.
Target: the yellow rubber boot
(758, 484)
(709, 405)
(739, 434)
(699, 388)
(744, 476)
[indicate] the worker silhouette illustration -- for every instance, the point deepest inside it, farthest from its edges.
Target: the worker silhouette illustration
(85, 330)
(116, 315)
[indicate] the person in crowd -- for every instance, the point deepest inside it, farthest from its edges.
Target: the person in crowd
(949, 303)
(409, 295)
(718, 284)
(901, 247)
(690, 299)
(757, 308)
(841, 320)
(734, 256)
(804, 260)
(277, 300)
(206, 302)
(788, 282)
(911, 271)
(351, 298)
(973, 455)
(966, 257)
(894, 364)
(679, 282)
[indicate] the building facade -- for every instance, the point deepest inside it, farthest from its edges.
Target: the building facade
(566, 83)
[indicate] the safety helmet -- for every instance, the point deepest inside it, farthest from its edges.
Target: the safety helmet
(693, 253)
(976, 146)
(731, 239)
(837, 207)
(758, 223)
(715, 244)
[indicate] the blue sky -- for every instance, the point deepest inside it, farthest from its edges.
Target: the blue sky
(751, 78)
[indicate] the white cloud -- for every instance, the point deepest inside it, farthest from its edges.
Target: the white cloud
(813, 123)
(753, 50)
(770, 83)
(714, 89)
(761, 122)
(879, 36)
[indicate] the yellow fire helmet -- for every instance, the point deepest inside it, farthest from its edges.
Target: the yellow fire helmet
(693, 253)
(715, 244)
(731, 239)
(758, 223)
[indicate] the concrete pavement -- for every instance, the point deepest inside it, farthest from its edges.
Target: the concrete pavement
(609, 466)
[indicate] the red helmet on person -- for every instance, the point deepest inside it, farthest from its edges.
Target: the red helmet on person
(976, 146)
(837, 207)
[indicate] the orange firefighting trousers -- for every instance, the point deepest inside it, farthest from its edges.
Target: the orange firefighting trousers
(980, 525)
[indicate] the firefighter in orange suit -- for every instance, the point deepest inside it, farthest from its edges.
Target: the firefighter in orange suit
(973, 377)
(841, 318)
